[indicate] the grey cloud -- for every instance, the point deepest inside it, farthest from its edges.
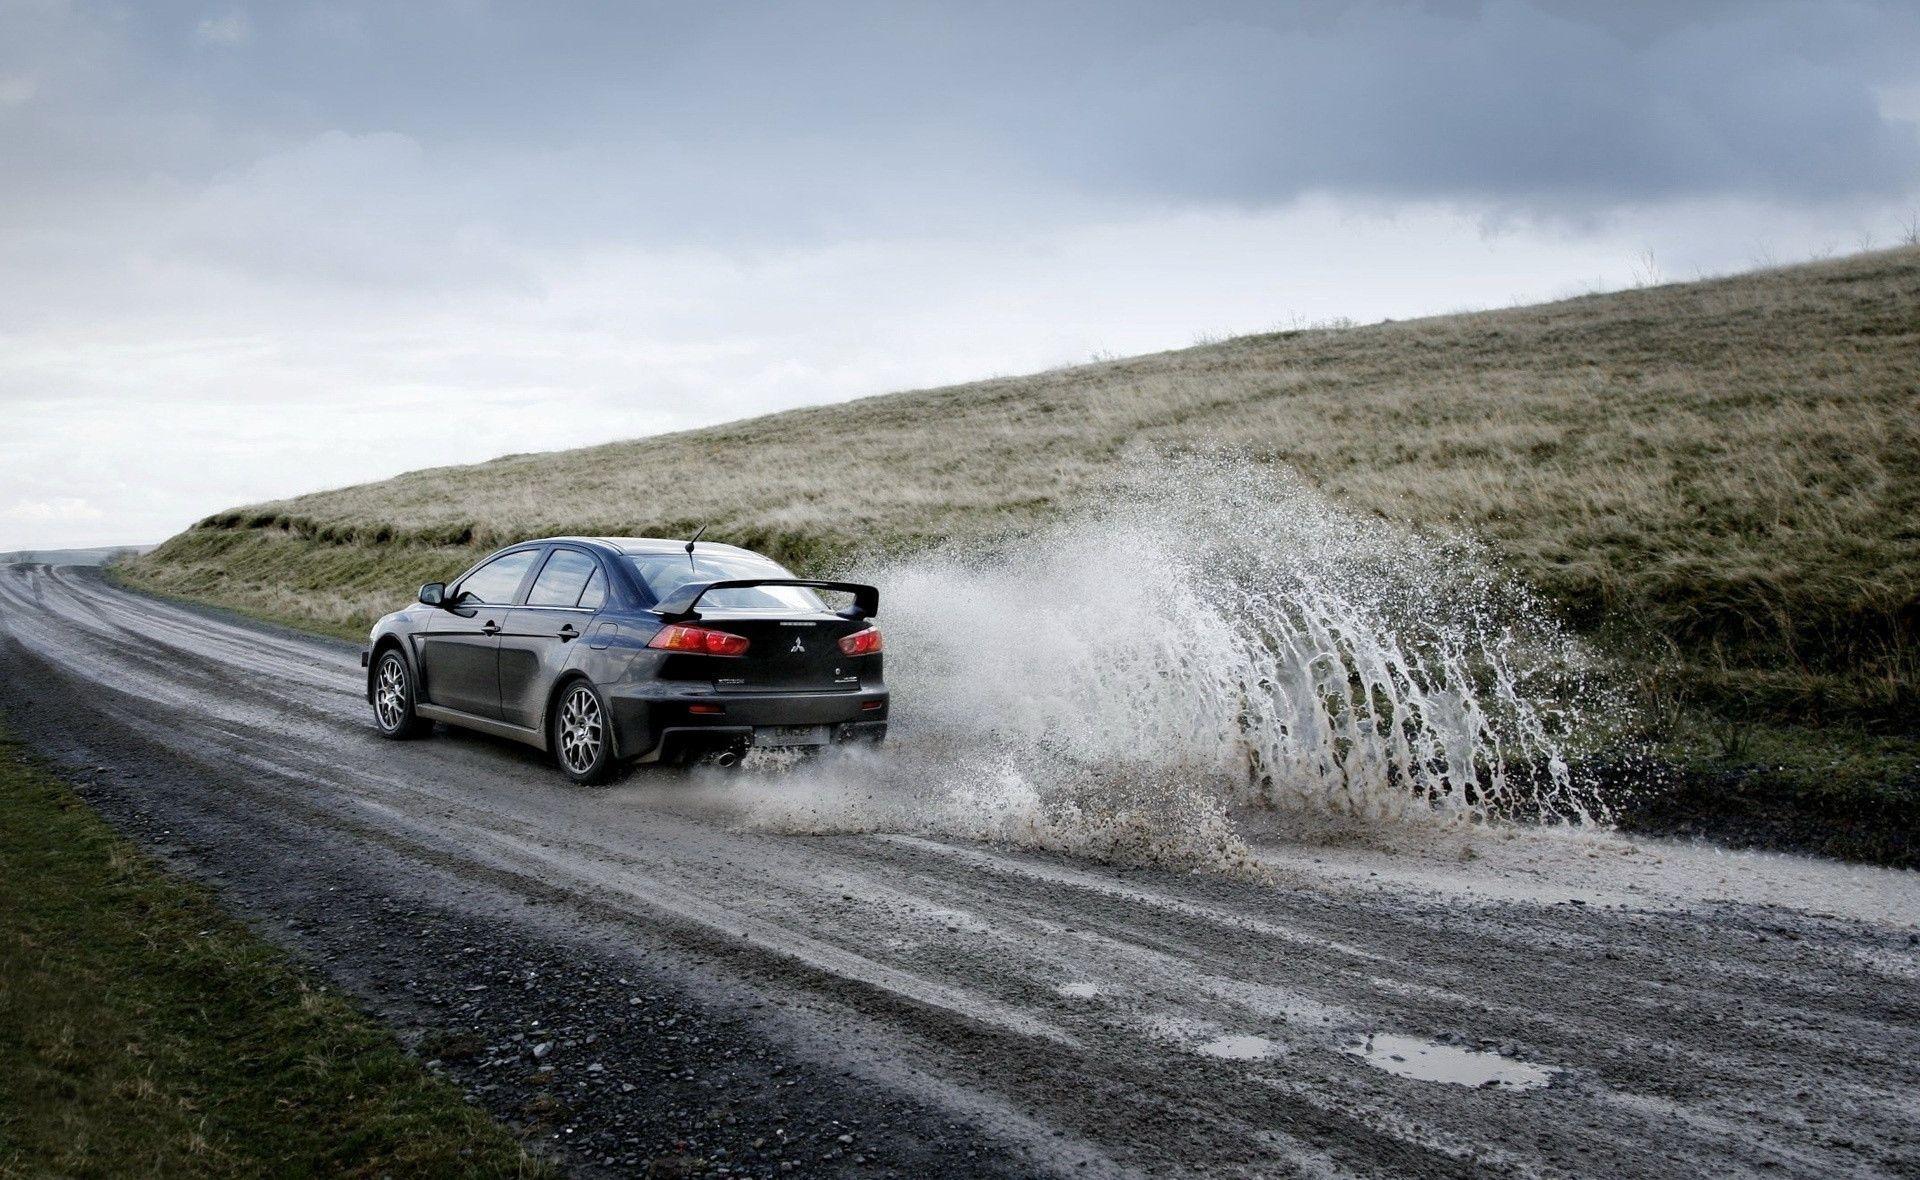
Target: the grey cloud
(731, 121)
(1253, 102)
(1505, 102)
(346, 146)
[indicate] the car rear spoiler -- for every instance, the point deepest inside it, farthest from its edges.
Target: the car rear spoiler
(866, 599)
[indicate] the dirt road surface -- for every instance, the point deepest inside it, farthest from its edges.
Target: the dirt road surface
(644, 978)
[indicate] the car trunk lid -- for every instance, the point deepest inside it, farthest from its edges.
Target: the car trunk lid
(784, 653)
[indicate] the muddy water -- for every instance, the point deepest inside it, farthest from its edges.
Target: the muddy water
(1432, 1061)
(1213, 637)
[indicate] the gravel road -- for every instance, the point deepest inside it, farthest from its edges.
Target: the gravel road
(644, 978)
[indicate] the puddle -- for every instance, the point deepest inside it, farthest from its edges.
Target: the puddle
(1240, 1048)
(1431, 1061)
(1079, 991)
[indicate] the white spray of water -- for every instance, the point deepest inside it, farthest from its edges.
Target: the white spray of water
(1214, 636)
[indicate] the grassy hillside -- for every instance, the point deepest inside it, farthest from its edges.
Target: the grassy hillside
(1730, 469)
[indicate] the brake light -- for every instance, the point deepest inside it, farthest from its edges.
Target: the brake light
(861, 643)
(681, 637)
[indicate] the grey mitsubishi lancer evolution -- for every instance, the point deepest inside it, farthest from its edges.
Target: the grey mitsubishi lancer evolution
(606, 651)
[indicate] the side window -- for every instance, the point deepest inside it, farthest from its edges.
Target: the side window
(495, 582)
(596, 591)
(562, 579)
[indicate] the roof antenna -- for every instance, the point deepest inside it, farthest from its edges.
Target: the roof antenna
(697, 534)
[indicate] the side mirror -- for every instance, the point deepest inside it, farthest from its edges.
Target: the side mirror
(433, 594)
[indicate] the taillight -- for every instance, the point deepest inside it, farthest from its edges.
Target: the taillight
(861, 643)
(681, 637)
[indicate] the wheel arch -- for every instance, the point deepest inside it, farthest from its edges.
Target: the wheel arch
(381, 646)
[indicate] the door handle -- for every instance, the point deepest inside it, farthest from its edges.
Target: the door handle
(491, 628)
(567, 632)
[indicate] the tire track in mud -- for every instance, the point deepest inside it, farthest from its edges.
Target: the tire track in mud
(1068, 1011)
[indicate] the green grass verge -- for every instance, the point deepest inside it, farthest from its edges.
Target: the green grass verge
(1835, 789)
(144, 1032)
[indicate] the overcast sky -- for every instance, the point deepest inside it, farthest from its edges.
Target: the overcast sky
(253, 249)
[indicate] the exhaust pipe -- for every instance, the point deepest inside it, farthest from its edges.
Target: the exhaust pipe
(725, 758)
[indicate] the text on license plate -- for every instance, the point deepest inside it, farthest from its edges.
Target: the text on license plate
(791, 735)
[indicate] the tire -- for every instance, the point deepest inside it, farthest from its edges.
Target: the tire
(580, 733)
(393, 697)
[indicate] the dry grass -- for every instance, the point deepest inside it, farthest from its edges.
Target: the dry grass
(1730, 467)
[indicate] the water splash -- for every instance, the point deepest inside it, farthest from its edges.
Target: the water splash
(1214, 635)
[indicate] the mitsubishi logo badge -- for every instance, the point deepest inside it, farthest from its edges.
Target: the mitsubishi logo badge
(798, 646)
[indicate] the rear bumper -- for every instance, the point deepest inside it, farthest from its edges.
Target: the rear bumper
(677, 740)
(653, 728)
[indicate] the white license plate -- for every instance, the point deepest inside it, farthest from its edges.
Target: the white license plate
(792, 735)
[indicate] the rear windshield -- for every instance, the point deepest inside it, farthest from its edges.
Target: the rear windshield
(665, 573)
